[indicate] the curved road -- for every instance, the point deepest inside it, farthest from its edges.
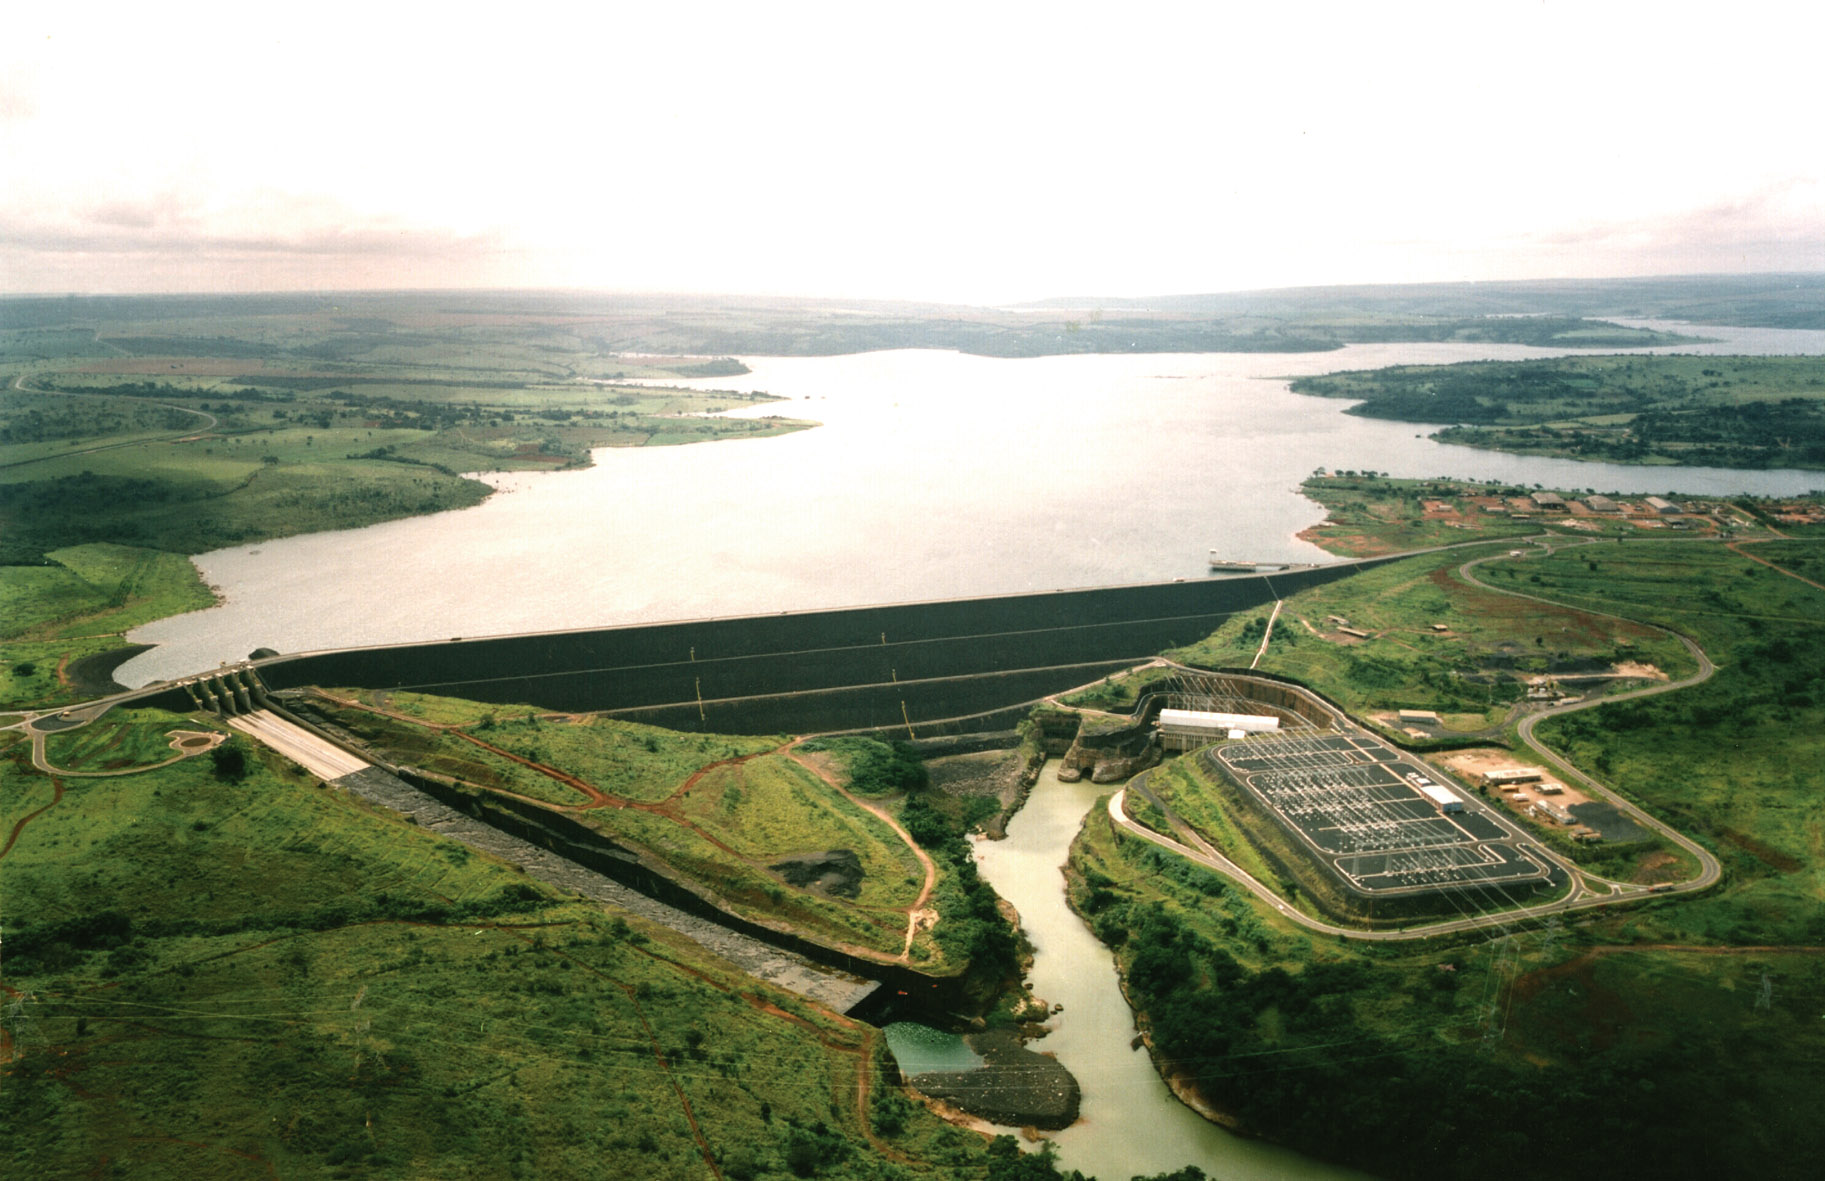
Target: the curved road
(1709, 870)
(19, 384)
(1584, 896)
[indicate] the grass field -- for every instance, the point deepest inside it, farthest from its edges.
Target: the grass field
(448, 754)
(189, 454)
(718, 809)
(1184, 784)
(161, 436)
(122, 740)
(738, 821)
(1688, 1058)
(624, 759)
(1746, 412)
(213, 979)
(1735, 761)
(79, 605)
(1476, 665)
(1682, 1029)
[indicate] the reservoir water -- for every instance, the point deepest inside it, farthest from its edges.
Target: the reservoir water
(934, 475)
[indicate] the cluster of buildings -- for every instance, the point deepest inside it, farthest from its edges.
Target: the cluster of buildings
(1441, 501)
(1594, 505)
(1798, 512)
(1510, 781)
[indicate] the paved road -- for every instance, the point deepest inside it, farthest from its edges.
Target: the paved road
(210, 423)
(1709, 870)
(1495, 920)
(1585, 894)
(1267, 633)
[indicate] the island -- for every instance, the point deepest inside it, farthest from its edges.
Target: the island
(1739, 412)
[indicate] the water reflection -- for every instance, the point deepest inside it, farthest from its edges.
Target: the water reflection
(1131, 1124)
(935, 475)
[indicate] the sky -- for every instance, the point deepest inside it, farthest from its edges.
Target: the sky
(973, 153)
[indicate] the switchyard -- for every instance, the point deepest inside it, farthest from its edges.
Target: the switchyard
(1375, 820)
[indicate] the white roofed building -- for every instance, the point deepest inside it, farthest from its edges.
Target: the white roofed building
(1185, 729)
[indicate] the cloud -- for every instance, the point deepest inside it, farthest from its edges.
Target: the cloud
(1779, 225)
(176, 242)
(971, 155)
(164, 210)
(18, 98)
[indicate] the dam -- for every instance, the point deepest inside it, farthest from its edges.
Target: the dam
(948, 666)
(914, 669)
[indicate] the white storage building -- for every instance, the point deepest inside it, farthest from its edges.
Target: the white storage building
(1182, 729)
(1446, 799)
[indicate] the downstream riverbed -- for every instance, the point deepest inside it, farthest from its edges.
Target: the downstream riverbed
(1131, 1123)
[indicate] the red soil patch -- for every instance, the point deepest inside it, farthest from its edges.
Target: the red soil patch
(1600, 1013)
(596, 796)
(1349, 545)
(193, 366)
(1773, 858)
(57, 789)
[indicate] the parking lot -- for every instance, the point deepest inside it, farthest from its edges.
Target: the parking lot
(1355, 804)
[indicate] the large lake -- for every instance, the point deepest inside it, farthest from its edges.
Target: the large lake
(935, 474)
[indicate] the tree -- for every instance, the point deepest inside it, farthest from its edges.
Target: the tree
(1008, 1163)
(230, 762)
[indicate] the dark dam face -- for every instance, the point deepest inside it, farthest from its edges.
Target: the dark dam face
(958, 660)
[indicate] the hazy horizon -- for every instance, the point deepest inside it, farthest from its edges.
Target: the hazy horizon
(1052, 301)
(946, 154)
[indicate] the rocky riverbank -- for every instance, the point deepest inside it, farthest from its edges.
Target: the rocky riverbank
(1015, 1086)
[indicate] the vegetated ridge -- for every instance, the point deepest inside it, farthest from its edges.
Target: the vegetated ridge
(1742, 412)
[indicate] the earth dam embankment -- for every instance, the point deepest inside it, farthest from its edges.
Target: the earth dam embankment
(948, 665)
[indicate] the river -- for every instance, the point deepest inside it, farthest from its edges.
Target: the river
(935, 474)
(1130, 1124)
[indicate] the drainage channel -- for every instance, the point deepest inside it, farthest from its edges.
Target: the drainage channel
(835, 990)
